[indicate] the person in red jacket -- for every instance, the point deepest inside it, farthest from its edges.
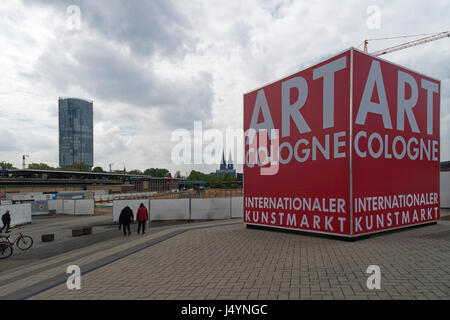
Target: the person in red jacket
(142, 217)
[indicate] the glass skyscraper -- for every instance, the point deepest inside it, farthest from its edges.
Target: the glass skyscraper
(76, 138)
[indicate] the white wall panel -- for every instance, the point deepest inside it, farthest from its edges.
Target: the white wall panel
(118, 205)
(56, 205)
(169, 209)
(20, 213)
(84, 207)
(237, 207)
(210, 208)
(445, 189)
(68, 207)
(178, 209)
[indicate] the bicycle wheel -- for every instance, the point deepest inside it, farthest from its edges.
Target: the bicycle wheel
(5, 250)
(25, 242)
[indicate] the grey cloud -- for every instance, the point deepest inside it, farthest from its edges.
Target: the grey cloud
(276, 9)
(191, 101)
(19, 138)
(90, 59)
(8, 143)
(147, 27)
(241, 34)
(109, 75)
(107, 144)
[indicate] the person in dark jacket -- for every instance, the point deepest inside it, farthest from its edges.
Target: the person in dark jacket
(125, 218)
(6, 219)
(142, 217)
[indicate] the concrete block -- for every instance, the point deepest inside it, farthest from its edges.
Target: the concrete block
(48, 237)
(77, 232)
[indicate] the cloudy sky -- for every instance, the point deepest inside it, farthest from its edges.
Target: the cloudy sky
(152, 66)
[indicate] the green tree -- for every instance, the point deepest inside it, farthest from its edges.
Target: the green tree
(40, 166)
(135, 171)
(98, 169)
(82, 167)
(214, 181)
(157, 173)
(6, 165)
(228, 178)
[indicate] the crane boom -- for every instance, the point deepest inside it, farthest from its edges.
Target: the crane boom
(409, 44)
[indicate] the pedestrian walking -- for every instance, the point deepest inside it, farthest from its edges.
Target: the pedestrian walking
(125, 218)
(142, 218)
(6, 219)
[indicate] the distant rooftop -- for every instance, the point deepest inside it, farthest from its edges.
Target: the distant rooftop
(74, 98)
(80, 173)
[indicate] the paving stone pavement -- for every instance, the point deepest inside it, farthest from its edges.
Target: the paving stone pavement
(61, 226)
(21, 282)
(225, 260)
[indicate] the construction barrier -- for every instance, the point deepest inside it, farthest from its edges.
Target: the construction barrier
(20, 213)
(72, 207)
(445, 189)
(28, 196)
(169, 209)
(118, 205)
(237, 207)
(119, 196)
(212, 208)
(56, 205)
(84, 207)
(39, 207)
(206, 193)
(184, 209)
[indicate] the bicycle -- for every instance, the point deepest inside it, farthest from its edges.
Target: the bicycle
(22, 242)
(6, 249)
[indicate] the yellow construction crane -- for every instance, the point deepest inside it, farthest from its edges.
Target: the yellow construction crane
(429, 37)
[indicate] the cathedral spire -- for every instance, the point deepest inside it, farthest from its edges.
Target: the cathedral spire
(230, 162)
(225, 169)
(223, 165)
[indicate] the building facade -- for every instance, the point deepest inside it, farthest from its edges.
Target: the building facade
(76, 131)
